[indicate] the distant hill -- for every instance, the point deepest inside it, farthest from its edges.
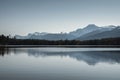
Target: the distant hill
(101, 34)
(85, 30)
(89, 32)
(47, 36)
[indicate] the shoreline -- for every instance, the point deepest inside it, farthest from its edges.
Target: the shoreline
(64, 46)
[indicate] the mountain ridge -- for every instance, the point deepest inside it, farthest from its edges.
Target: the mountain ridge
(99, 35)
(87, 33)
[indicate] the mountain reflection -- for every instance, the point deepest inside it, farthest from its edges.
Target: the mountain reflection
(90, 57)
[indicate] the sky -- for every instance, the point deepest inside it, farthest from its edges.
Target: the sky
(27, 16)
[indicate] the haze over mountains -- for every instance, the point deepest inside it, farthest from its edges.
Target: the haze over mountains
(89, 32)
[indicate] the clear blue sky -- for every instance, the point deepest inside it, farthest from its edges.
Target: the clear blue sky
(27, 16)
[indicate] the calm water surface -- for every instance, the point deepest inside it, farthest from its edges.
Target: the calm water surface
(60, 64)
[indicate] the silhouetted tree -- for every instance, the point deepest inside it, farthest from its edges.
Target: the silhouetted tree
(6, 40)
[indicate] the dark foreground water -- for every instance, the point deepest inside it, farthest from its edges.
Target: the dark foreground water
(60, 64)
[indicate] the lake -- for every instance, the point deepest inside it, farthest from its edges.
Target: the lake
(59, 63)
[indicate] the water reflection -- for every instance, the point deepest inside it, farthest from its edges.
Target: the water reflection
(90, 57)
(4, 51)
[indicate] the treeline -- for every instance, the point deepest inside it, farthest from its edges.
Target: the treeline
(6, 40)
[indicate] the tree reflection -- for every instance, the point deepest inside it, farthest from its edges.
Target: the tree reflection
(4, 51)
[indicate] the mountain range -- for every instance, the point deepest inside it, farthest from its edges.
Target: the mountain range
(89, 32)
